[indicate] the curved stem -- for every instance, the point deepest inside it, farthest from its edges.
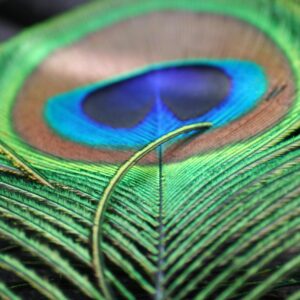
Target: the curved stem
(97, 234)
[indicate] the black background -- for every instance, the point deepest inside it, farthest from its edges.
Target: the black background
(15, 15)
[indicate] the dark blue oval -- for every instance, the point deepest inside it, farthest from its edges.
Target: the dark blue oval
(188, 92)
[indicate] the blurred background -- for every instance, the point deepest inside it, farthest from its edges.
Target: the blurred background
(15, 15)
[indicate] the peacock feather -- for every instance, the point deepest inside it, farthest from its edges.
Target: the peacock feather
(150, 150)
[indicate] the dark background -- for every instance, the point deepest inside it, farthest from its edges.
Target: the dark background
(15, 15)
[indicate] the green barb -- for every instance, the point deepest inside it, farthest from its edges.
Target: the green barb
(22, 165)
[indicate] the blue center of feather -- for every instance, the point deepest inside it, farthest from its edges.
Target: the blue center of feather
(187, 91)
(133, 110)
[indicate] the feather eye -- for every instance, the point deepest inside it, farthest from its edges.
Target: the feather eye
(81, 119)
(130, 113)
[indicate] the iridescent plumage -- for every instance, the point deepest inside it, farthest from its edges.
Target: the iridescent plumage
(149, 150)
